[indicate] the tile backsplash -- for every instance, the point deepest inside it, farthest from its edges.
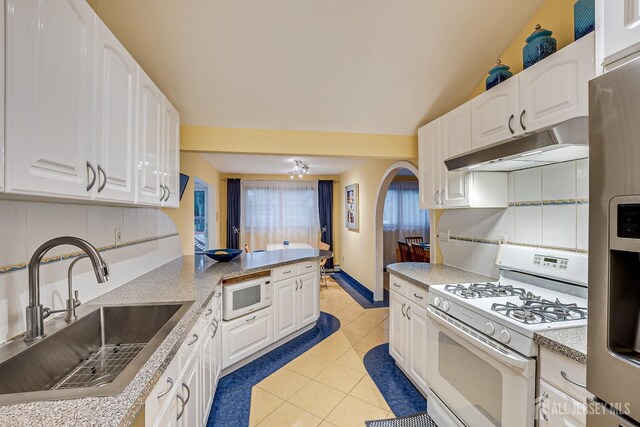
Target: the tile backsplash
(149, 239)
(548, 207)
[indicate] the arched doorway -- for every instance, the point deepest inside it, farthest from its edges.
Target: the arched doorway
(387, 178)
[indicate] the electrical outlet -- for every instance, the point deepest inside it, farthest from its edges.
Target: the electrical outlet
(118, 236)
(503, 239)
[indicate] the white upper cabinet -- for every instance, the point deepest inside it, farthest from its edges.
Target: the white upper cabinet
(429, 164)
(149, 161)
(455, 131)
(171, 155)
(618, 27)
(556, 89)
(115, 119)
(49, 97)
(494, 114)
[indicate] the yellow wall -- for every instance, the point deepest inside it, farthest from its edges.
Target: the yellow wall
(357, 247)
(336, 205)
(554, 15)
(289, 142)
(195, 166)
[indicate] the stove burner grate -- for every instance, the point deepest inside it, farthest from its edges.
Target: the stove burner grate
(535, 311)
(484, 290)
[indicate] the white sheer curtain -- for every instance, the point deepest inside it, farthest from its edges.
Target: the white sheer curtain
(402, 217)
(274, 211)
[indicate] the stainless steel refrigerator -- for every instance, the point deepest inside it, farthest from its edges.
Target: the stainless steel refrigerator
(613, 365)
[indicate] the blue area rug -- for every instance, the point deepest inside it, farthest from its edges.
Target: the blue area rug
(401, 395)
(232, 402)
(359, 292)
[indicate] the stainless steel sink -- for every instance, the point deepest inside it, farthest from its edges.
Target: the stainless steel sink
(97, 355)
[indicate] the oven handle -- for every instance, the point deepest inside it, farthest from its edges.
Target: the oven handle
(508, 359)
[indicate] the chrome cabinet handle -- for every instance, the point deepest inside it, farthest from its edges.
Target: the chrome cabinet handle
(544, 397)
(564, 375)
(168, 193)
(286, 272)
(396, 285)
(218, 295)
(249, 320)
(195, 339)
(296, 284)
(511, 121)
(435, 197)
(186, 401)
(183, 406)
(162, 195)
(104, 178)
(165, 392)
(214, 323)
(301, 284)
(308, 266)
(408, 308)
(418, 296)
(442, 197)
(522, 120)
(91, 181)
(208, 313)
(402, 310)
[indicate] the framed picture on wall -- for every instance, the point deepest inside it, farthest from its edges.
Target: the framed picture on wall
(352, 206)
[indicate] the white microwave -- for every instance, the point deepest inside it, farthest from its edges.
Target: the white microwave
(245, 297)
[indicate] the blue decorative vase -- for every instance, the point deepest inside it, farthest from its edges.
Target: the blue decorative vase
(584, 18)
(498, 74)
(539, 45)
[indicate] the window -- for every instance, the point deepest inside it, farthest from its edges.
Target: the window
(274, 211)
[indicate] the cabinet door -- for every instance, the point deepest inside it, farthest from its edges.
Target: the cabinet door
(397, 328)
(162, 395)
(171, 154)
(494, 114)
(620, 28)
(285, 302)
(168, 417)
(49, 96)
(557, 88)
(115, 118)
(207, 371)
(556, 409)
(246, 335)
(191, 387)
(308, 299)
(429, 163)
(217, 349)
(149, 162)
(455, 128)
(417, 345)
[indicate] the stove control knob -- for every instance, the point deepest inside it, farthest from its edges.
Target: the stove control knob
(445, 305)
(436, 301)
(505, 336)
(489, 328)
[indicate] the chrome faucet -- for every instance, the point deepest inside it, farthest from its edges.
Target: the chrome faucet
(35, 312)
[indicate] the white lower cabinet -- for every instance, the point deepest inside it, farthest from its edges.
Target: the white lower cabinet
(557, 409)
(246, 335)
(296, 304)
(408, 331)
(184, 394)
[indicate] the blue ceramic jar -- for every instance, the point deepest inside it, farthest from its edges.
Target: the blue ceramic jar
(498, 74)
(584, 18)
(539, 45)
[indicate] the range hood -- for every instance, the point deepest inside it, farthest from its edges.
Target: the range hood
(567, 141)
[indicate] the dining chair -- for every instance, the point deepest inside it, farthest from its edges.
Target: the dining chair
(323, 275)
(415, 239)
(405, 252)
(419, 254)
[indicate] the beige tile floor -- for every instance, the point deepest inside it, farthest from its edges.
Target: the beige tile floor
(328, 385)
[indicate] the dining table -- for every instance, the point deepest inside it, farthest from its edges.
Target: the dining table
(281, 246)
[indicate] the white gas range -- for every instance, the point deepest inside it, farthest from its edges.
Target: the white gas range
(481, 351)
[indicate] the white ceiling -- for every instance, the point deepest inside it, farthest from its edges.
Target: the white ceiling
(373, 66)
(275, 165)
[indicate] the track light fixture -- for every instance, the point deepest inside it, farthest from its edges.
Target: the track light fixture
(301, 168)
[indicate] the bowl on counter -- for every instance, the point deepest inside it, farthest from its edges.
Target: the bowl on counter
(223, 255)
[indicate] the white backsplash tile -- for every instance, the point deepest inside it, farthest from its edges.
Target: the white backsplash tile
(465, 255)
(482, 223)
(582, 227)
(43, 222)
(13, 232)
(529, 225)
(528, 185)
(559, 181)
(504, 222)
(582, 179)
(97, 226)
(483, 258)
(559, 226)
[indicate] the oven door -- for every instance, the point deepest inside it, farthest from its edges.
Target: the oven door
(245, 297)
(476, 380)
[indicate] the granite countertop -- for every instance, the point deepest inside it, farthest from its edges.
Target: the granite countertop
(570, 342)
(424, 274)
(189, 278)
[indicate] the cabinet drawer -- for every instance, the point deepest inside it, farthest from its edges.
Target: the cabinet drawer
(398, 285)
(192, 341)
(417, 295)
(307, 267)
(552, 365)
(163, 391)
(246, 335)
(284, 273)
